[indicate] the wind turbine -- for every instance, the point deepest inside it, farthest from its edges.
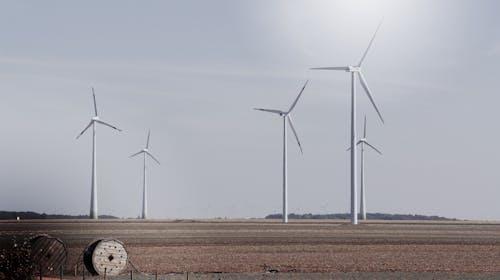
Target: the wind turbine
(356, 69)
(286, 116)
(145, 152)
(93, 194)
(364, 142)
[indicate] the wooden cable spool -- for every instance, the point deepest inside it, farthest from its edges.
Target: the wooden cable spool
(106, 256)
(47, 253)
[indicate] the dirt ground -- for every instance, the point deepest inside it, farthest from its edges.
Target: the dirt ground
(266, 249)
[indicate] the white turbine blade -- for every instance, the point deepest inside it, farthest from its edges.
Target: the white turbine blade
(371, 146)
(270, 111)
(85, 129)
(149, 154)
(147, 142)
(107, 124)
(364, 129)
(370, 44)
(294, 132)
(297, 99)
(343, 68)
(138, 153)
(95, 103)
(368, 92)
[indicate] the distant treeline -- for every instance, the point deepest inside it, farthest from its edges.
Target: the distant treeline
(11, 215)
(371, 216)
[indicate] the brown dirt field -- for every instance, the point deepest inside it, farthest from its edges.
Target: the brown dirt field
(257, 246)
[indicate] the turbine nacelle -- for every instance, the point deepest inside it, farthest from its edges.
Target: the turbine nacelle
(96, 118)
(353, 69)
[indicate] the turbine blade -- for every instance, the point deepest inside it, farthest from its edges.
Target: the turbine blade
(368, 92)
(343, 68)
(107, 124)
(371, 146)
(364, 129)
(270, 111)
(294, 132)
(85, 129)
(149, 154)
(95, 103)
(138, 153)
(297, 99)
(370, 44)
(147, 142)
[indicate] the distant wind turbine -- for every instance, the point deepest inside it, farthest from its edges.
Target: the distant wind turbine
(353, 70)
(286, 116)
(145, 152)
(93, 195)
(364, 142)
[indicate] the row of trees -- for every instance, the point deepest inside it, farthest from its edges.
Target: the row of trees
(371, 216)
(12, 215)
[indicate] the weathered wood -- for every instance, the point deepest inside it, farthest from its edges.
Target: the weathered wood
(105, 256)
(47, 253)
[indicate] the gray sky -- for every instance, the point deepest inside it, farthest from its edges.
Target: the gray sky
(192, 71)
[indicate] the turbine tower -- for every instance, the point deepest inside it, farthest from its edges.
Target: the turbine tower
(363, 142)
(145, 152)
(286, 116)
(93, 193)
(356, 70)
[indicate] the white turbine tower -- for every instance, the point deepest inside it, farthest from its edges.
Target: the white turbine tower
(363, 142)
(356, 69)
(286, 116)
(145, 152)
(93, 194)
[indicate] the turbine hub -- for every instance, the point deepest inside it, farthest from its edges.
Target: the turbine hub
(145, 150)
(353, 69)
(96, 118)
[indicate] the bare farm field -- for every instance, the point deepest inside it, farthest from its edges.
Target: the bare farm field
(266, 249)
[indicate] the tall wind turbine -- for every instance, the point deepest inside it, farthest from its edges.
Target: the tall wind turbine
(145, 152)
(286, 116)
(364, 142)
(356, 69)
(93, 194)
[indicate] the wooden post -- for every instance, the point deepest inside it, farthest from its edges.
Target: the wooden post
(131, 277)
(105, 270)
(61, 272)
(83, 273)
(41, 274)
(156, 275)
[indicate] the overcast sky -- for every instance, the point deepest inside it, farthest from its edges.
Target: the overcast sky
(191, 71)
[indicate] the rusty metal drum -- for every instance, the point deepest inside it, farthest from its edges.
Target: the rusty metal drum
(48, 253)
(105, 257)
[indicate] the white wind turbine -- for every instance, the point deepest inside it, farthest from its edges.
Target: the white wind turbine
(286, 116)
(363, 142)
(353, 70)
(145, 152)
(93, 194)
